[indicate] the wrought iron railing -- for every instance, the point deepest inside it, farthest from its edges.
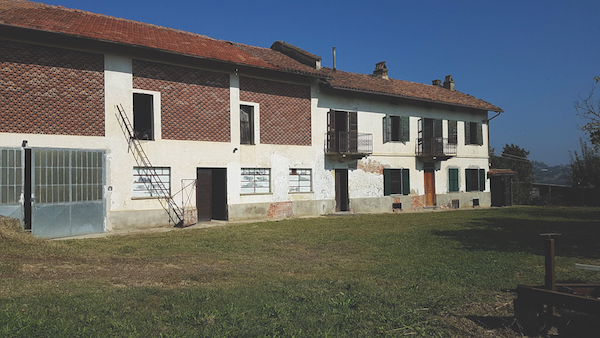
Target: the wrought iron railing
(435, 146)
(343, 142)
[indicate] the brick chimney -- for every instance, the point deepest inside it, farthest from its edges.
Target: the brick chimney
(381, 70)
(436, 82)
(449, 82)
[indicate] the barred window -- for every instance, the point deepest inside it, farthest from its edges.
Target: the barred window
(151, 182)
(256, 180)
(300, 180)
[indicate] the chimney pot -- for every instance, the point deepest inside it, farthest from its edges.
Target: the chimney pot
(437, 82)
(381, 70)
(449, 82)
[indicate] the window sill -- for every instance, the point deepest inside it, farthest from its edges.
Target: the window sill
(255, 194)
(147, 198)
(301, 192)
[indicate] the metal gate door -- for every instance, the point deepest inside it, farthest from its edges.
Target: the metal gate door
(67, 192)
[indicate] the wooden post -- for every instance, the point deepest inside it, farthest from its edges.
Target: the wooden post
(550, 282)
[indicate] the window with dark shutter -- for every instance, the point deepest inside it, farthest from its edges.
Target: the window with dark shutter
(396, 182)
(396, 129)
(452, 132)
(453, 179)
(475, 179)
(473, 133)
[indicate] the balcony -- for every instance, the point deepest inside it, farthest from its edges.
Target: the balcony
(436, 148)
(348, 144)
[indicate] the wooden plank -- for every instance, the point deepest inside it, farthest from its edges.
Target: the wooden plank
(588, 267)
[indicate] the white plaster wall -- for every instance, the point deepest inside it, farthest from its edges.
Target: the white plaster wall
(402, 155)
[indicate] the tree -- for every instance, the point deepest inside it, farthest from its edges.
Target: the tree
(589, 109)
(585, 167)
(515, 158)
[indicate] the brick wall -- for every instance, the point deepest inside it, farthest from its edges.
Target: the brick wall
(194, 103)
(284, 110)
(45, 90)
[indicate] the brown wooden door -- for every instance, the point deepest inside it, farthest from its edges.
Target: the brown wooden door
(429, 188)
(204, 194)
(341, 190)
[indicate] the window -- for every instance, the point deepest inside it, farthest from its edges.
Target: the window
(396, 181)
(300, 180)
(143, 113)
(246, 124)
(396, 129)
(10, 176)
(151, 182)
(473, 133)
(475, 179)
(256, 181)
(452, 132)
(453, 180)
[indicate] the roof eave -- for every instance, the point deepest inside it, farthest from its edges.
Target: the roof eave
(142, 47)
(496, 109)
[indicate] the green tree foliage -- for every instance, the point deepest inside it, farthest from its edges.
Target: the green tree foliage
(588, 108)
(515, 158)
(585, 167)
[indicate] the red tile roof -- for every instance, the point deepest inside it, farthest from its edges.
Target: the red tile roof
(79, 23)
(106, 28)
(404, 89)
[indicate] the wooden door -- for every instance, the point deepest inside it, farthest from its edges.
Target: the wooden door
(204, 194)
(219, 194)
(429, 188)
(341, 190)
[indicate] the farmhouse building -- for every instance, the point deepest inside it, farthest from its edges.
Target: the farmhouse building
(106, 123)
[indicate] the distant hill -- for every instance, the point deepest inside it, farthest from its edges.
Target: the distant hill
(557, 174)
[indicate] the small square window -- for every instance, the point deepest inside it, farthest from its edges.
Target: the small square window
(151, 182)
(300, 180)
(255, 181)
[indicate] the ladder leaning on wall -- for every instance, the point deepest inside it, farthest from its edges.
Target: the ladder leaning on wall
(165, 198)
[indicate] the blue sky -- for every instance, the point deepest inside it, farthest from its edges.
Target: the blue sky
(531, 58)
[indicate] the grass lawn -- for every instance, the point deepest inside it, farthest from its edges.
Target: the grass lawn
(436, 274)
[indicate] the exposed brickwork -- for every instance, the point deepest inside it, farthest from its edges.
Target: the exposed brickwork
(194, 103)
(284, 110)
(370, 166)
(45, 90)
(280, 210)
(417, 202)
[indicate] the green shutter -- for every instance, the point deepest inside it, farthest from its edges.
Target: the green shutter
(453, 179)
(437, 128)
(467, 133)
(481, 179)
(405, 130)
(387, 182)
(467, 180)
(387, 128)
(405, 182)
(479, 134)
(452, 132)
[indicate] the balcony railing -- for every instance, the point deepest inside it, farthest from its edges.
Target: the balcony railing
(435, 146)
(343, 142)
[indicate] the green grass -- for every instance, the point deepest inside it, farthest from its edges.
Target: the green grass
(356, 276)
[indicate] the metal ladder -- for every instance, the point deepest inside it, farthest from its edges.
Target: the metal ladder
(166, 200)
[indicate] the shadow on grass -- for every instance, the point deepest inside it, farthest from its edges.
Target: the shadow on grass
(520, 232)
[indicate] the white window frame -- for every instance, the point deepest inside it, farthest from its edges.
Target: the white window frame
(156, 111)
(142, 182)
(256, 121)
(297, 180)
(255, 181)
